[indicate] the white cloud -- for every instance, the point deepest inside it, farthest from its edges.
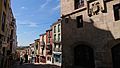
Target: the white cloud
(22, 7)
(33, 24)
(27, 23)
(57, 7)
(44, 4)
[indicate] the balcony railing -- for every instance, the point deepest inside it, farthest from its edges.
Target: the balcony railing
(57, 49)
(49, 36)
(48, 43)
(48, 52)
(42, 43)
(57, 41)
(42, 46)
(48, 47)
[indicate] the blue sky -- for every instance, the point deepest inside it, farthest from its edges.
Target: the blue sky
(34, 17)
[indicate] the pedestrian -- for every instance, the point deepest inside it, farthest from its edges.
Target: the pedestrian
(21, 61)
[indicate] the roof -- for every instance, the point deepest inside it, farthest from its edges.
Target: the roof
(49, 30)
(42, 34)
(59, 21)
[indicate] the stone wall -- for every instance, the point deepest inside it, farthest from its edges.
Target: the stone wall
(100, 32)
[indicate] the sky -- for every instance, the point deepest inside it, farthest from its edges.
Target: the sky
(34, 17)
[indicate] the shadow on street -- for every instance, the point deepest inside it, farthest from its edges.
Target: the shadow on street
(26, 65)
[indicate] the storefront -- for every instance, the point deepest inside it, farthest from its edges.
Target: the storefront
(57, 58)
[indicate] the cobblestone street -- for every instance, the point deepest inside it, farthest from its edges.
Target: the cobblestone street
(35, 66)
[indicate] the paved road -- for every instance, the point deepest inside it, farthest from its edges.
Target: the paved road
(35, 66)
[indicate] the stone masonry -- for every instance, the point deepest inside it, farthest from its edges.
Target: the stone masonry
(99, 31)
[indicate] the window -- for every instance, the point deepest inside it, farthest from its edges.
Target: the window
(57, 46)
(49, 34)
(79, 21)
(5, 3)
(36, 46)
(59, 28)
(0, 40)
(48, 58)
(8, 39)
(54, 29)
(48, 40)
(3, 51)
(42, 51)
(79, 4)
(117, 11)
(48, 47)
(58, 37)
(11, 36)
(32, 52)
(3, 22)
(66, 20)
(55, 37)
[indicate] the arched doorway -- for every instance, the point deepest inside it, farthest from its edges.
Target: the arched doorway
(116, 56)
(84, 56)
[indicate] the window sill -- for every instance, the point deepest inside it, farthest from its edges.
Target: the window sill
(75, 10)
(117, 20)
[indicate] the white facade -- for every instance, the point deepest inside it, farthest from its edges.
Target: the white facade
(56, 46)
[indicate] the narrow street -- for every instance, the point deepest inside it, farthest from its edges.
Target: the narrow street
(34, 66)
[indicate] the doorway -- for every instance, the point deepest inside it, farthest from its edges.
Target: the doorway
(84, 56)
(116, 56)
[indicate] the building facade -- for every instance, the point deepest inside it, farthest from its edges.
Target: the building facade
(49, 46)
(90, 33)
(32, 52)
(56, 46)
(37, 50)
(8, 38)
(43, 48)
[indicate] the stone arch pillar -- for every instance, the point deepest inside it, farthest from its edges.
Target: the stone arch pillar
(109, 48)
(116, 56)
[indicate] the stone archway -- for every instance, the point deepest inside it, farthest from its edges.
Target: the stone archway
(110, 49)
(84, 56)
(116, 56)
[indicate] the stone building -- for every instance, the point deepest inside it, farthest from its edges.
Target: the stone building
(56, 46)
(11, 32)
(8, 38)
(49, 46)
(90, 33)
